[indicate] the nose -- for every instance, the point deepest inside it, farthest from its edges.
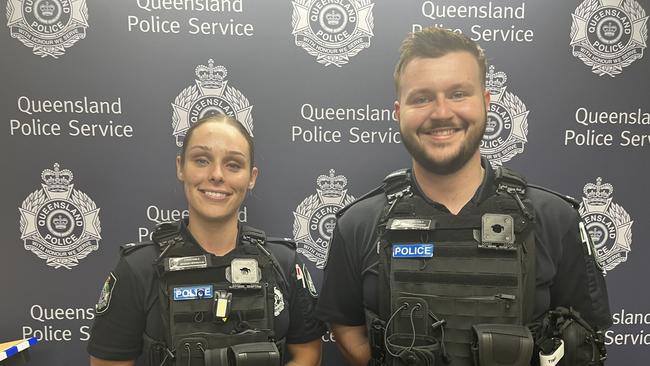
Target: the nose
(216, 174)
(441, 109)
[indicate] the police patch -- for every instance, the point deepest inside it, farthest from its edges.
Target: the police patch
(419, 250)
(105, 297)
(193, 292)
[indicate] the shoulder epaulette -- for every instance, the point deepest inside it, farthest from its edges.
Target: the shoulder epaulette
(284, 241)
(572, 201)
(166, 234)
(129, 248)
(252, 235)
(507, 179)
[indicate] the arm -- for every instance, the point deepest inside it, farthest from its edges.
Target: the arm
(579, 282)
(99, 362)
(353, 343)
(305, 354)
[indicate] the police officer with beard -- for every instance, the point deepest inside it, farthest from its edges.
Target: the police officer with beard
(454, 262)
(207, 290)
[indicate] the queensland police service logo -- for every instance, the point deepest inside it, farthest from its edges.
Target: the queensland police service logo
(58, 223)
(314, 218)
(607, 223)
(47, 26)
(210, 96)
(332, 30)
(609, 35)
(507, 126)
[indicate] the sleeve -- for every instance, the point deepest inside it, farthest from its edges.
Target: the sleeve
(341, 298)
(303, 324)
(579, 281)
(119, 323)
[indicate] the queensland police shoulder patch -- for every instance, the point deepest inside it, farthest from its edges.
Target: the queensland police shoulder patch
(278, 305)
(105, 297)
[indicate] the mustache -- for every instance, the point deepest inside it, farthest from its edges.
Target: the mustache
(434, 125)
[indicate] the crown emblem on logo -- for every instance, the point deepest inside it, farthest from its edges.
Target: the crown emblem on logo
(609, 29)
(211, 76)
(490, 126)
(333, 18)
(495, 80)
(595, 234)
(598, 193)
(331, 185)
(60, 222)
(57, 180)
(329, 226)
(47, 9)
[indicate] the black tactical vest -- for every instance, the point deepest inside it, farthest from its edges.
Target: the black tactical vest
(217, 311)
(442, 277)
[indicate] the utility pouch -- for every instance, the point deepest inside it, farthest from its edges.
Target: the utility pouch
(501, 345)
(415, 349)
(253, 354)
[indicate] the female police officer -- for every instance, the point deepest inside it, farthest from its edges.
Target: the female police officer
(208, 291)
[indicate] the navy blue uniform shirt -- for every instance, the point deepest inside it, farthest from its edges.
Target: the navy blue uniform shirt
(563, 276)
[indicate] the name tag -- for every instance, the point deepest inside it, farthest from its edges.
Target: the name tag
(193, 292)
(412, 250)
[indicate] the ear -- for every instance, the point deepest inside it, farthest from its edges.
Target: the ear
(179, 169)
(253, 179)
(486, 97)
(396, 107)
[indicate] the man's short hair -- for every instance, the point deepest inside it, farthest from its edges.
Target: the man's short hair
(435, 42)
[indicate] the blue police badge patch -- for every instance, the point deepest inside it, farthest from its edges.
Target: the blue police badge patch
(193, 292)
(105, 297)
(416, 250)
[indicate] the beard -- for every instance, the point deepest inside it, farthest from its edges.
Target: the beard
(450, 164)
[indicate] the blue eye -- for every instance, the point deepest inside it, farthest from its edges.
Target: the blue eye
(201, 161)
(458, 95)
(422, 99)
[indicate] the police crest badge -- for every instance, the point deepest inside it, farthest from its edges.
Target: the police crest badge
(507, 121)
(59, 223)
(608, 35)
(332, 30)
(210, 96)
(608, 224)
(315, 217)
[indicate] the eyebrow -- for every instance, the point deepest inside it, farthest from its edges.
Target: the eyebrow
(206, 148)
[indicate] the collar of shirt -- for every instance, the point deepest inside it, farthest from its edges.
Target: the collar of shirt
(485, 190)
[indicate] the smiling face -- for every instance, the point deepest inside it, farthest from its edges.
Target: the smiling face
(442, 111)
(216, 172)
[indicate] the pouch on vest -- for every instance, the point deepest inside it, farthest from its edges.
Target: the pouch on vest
(502, 345)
